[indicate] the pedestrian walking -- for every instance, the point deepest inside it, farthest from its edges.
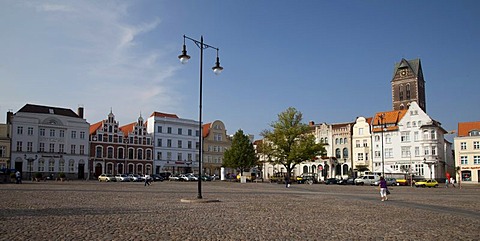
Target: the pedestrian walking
(18, 177)
(452, 181)
(446, 182)
(287, 181)
(147, 180)
(383, 189)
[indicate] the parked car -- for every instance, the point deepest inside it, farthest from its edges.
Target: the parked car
(403, 182)
(174, 178)
(331, 181)
(134, 178)
(367, 180)
(390, 182)
(207, 178)
(192, 177)
(348, 181)
(183, 177)
(106, 178)
(157, 178)
(304, 178)
(426, 183)
(122, 178)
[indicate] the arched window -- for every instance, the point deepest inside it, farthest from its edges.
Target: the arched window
(99, 152)
(337, 153)
(408, 91)
(345, 153)
(130, 153)
(345, 141)
(140, 154)
(305, 169)
(345, 169)
(148, 154)
(400, 93)
(433, 135)
(120, 153)
(109, 152)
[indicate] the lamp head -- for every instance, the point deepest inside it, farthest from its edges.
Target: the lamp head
(217, 69)
(184, 57)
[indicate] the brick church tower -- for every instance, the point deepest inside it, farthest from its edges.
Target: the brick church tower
(408, 85)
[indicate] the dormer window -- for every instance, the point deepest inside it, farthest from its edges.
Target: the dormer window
(474, 133)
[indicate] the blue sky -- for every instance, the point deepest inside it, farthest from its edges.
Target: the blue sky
(332, 60)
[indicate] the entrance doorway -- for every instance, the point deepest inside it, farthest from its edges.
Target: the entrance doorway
(81, 171)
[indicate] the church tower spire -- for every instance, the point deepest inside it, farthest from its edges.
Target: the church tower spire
(408, 85)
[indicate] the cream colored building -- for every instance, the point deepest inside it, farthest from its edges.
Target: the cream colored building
(5, 144)
(467, 152)
(215, 142)
(362, 144)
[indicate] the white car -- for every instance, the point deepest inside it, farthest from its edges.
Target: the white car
(134, 178)
(106, 178)
(122, 178)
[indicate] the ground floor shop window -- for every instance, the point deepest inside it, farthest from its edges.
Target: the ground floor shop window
(467, 176)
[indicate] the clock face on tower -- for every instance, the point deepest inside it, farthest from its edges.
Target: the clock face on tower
(403, 72)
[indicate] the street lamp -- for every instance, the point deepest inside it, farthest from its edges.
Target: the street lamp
(383, 127)
(217, 69)
(30, 160)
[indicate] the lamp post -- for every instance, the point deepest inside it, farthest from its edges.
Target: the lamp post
(217, 69)
(382, 123)
(30, 160)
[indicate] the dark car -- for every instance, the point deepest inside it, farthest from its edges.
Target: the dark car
(331, 181)
(310, 179)
(157, 178)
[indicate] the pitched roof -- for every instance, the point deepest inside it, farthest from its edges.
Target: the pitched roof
(30, 108)
(128, 128)
(465, 127)
(165, 115)
(206, 129)
(95, 127)
(389, 118)
(413, 64)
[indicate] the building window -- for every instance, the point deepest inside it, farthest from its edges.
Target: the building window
(179, 156)
(20, 130)
(169, 156)
(179, 144)
(42, 132)
(189, 145)
(425, 135)
(61, 133)
(189, 132)
(130, 153)
(120, 153)
(405, 136)
(360, 131)
(41, 147)
(463, 160)
(388, 139)
(377, 154)
(408, 124)
(159, 155)
(98, 152)
(345, 153)
(189, 156)
(434, 150)
(29, 146)
(148, 154)
(179, 131)
(140, 154)
(474, 133)
(476, 145)
(357, 143)
(74, 135)
(169, 143)
(337, 153)
(360, 157)
(82, 149)
(365, 143)
(61, 148)
(41, 165)
(405, 151)
(61, 166)
(476, 160)
(73, 151)
(463, 146)
(433, 135)
(159, 129)
(169, 130)
(51, 166)
(417, 151)
(71, 166)
(3, 151)
(415, 136)
(52, 133)
(408, 91)
(109, 152)
(51, 147)
(82, 135)
(388, 153)
(30, 131)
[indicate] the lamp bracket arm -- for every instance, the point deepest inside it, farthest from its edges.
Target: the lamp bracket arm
(200, 44)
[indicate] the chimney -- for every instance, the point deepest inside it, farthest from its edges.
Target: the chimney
(311, 123)
(9, 117)
(80, 111)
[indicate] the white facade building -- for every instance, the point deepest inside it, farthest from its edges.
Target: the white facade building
(409, 142)
(467, 152)
(176, 143)
(362, 144)
(49, 141)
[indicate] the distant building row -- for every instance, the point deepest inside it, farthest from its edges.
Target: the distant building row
(51, 140)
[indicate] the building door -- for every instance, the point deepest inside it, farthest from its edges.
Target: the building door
(81, 171)
(19, 166)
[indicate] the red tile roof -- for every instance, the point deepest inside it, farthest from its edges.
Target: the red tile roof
(128, 128)
(465, 127)
(390, 119)
(95, 127)
(160, 114)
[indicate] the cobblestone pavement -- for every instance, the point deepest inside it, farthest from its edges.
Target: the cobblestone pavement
(90, 210)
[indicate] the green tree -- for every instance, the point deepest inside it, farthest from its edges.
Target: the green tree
(241, 155)
(290, 142)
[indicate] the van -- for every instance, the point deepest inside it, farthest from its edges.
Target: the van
(367, 180)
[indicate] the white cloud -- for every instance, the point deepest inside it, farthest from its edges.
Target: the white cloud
(102, 58)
